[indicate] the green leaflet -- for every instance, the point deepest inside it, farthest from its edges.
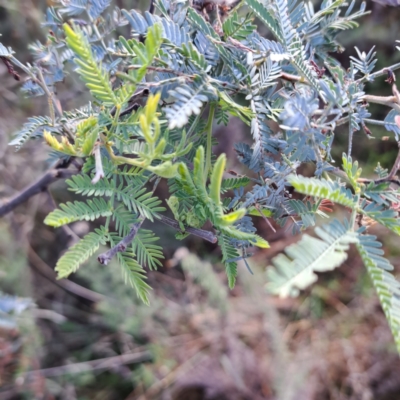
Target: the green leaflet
(143, 56)
(135, 275)
(352, 172)
(234, 183)
(78, 211)
(229, 257)
(265, 16)
(193, 55)
(146, 251)
(79, 253)
(237, 27)
(388, 218)
(323, 189)
(32, 128)
(92, 73)
(235, 109)
(387, 287)
(295, 270)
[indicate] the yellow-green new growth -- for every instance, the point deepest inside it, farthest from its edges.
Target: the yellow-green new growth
(211, 199)
(92, 73)
(87, 133)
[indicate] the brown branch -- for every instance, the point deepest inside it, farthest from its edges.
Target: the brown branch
(293, 78)
(66, 284)
(39, 186)
(381, 180)
(390, 101)
(206, 235)
(120, 247)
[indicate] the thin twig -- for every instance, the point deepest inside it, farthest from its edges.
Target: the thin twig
(164, 70)
(101, 363)
(206, 235)
(257, 207)
(381, 72)
(293, 78)
(120, 247)
(39, 186)
(382, 180)
(66, 284)
(390, 101)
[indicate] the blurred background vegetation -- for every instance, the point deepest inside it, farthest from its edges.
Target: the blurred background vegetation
(90, 338)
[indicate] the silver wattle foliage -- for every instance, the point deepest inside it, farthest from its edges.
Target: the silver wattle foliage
(288, 88)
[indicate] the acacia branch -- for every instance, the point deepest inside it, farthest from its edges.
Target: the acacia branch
(381, 72)
(293, 78)
(120, 247)
(39, 186)
(206, 235)
(390, 101)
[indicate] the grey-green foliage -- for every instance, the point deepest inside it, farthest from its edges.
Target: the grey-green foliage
(296, 268)
(151, 94)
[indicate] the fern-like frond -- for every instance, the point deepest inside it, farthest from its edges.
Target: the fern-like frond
(365, 62)
(305, 211)
(234, 183)
(266, 16)
(188, 100)
(204, 27)
(97, 7)
(140, 201)
(323, 189)
(74, 8)
(171, 30)
(92, 73)
(5, 51)
(146, 251)
(83, 185)
(229, 257)
(387, 217)
(387, 287)
(79, 253)
(293, 44)
(32, 129)
(296, 269)
(193, 56)
(123, 219)
(237, 27)
(143, 55)
(381, 193)
(135, 275)
(78, 211)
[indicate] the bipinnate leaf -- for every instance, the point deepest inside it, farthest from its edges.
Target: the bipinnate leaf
(296, 269)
